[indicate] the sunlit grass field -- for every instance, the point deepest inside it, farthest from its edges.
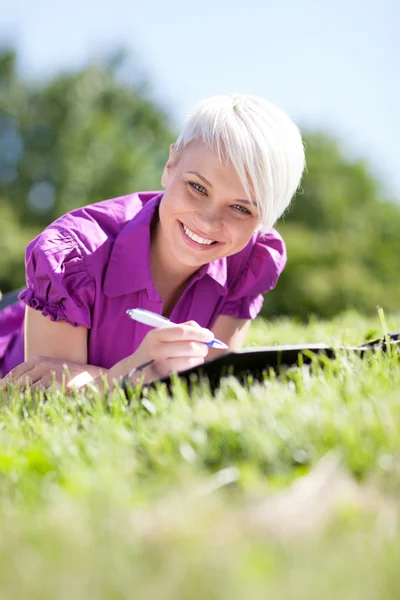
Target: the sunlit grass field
(289, 489)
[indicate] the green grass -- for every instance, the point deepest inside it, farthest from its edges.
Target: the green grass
(289, 489)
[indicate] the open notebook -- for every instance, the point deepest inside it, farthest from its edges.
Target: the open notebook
(254, 362)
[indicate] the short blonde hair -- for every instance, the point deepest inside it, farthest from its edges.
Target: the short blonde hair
(259, 140)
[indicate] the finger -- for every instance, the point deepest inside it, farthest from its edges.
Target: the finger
(34, 375)
(192, 323)
(166, 350)
(42, 384)
(25, 380)
(19, 371)
(174, 365)
(182, 332)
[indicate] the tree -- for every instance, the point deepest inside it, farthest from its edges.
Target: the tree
(342, 239)
(77, 139)
(86, 136)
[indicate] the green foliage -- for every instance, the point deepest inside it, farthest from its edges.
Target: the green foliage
(77, 139)
(104, 500)
(342, 240)
(13, 240)
(87, 136)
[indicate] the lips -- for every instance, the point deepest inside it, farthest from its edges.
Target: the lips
(193, 242)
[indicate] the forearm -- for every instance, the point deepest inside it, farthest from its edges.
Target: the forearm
(94, 371)
(118, 371)
(163, 351)
(83, 374)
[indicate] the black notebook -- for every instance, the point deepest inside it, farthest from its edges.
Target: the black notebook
(255, 362)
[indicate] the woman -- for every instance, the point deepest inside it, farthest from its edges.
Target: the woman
(202, 253)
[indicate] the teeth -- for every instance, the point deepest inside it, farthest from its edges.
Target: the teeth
(195, 237)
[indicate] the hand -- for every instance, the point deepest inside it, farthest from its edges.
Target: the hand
(41, 371)
(173, 348)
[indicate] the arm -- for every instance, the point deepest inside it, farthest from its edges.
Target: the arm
(56, 340)
(57, 283)
(254, 275)
(49, 346)
(175, 349)
(230, 330)
(166, 350)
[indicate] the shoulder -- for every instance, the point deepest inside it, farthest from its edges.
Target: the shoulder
(95, 224)
(66, 260)
(257, 267)
(89, 232)
(251, 273)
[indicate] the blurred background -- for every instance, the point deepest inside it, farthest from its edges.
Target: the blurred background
(92, 93)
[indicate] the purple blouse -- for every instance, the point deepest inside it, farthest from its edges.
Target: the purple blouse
(92, 264)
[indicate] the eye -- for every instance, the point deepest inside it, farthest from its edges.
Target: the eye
(199, 188)
(241, 209)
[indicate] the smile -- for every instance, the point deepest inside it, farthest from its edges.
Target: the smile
(197, 238)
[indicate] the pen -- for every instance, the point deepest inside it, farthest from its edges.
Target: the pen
(154, 320)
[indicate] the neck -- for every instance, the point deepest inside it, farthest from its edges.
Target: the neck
(169, 276)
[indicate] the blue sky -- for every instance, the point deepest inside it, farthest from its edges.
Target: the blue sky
(329, 64)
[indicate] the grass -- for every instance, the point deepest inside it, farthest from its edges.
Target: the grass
(288, 489)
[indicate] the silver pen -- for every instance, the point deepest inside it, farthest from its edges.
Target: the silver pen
(154, 320)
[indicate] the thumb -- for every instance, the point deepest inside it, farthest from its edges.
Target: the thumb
(192, 323)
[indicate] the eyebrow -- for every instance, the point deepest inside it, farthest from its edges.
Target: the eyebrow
(210, 185)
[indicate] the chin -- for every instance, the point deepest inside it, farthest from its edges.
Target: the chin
(192, 261)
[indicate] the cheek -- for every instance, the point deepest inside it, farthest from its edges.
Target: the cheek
(240, 234)
(177, 201)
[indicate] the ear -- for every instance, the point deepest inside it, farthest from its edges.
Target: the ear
(167, 168)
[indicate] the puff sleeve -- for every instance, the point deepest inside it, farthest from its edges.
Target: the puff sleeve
(58, 283)
(258, 275)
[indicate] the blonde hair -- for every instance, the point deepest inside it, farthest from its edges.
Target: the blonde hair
(260, 141)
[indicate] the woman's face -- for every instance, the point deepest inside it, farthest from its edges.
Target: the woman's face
(204, 214)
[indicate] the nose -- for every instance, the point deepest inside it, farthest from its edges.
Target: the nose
(209, 220)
